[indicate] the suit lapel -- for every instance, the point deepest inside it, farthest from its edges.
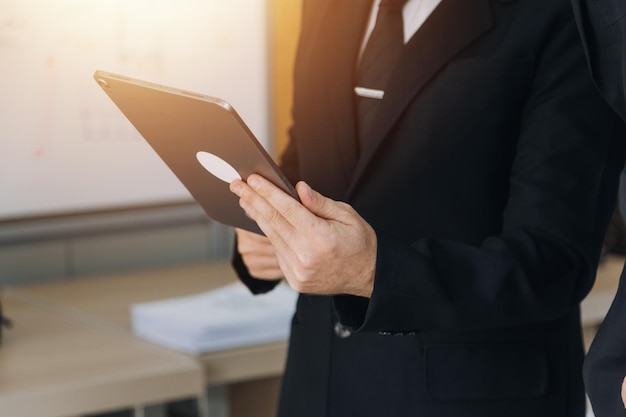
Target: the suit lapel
(452, 26)
(345, 23)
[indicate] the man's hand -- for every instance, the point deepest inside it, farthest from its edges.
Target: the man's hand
(259, 255)
(322, 246)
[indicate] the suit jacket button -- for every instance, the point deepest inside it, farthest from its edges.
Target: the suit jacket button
(341, 331)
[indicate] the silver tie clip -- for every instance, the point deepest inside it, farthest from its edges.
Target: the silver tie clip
(369, 93)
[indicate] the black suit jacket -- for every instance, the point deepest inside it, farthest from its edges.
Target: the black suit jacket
(602, 25)
(489, 178)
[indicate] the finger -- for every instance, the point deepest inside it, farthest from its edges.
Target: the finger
(287, 224)
(322, 206)
(263, 267)
(267, 217)
(258, 254)
(251, 247)
(283, 206)
(249, 241)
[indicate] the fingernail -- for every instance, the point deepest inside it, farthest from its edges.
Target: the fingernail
(235, 188)
(253, 182)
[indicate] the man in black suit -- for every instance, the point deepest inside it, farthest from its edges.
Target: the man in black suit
(442, 243)
(602, 25)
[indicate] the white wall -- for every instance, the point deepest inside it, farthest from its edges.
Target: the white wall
(64, 147)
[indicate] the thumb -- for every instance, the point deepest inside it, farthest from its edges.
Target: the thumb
(315, 202)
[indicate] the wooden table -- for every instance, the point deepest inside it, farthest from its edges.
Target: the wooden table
(52, 365)
(105, 301)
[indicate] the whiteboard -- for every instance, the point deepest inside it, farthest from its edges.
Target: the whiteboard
(64, 146)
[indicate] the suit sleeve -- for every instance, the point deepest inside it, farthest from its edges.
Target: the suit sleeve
(543, 261)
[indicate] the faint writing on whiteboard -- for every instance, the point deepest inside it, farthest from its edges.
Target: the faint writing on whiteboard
(64, 144)
(103, 124)
(10, 29)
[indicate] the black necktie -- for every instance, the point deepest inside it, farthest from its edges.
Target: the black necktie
(379, 59)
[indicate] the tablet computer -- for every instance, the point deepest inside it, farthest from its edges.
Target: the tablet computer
(200, 138)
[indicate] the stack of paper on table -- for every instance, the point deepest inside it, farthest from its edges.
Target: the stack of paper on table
(224, 318)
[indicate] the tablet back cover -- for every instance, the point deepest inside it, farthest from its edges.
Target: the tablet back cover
(190, 131)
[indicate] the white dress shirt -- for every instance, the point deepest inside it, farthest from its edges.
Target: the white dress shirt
(414, 14)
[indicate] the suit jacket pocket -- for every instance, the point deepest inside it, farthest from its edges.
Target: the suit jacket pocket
(486, 372)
